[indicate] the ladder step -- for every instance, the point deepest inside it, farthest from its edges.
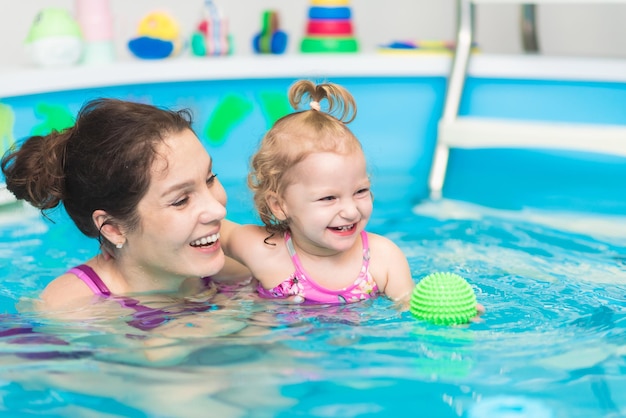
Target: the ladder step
(472, 132)
(592, 2)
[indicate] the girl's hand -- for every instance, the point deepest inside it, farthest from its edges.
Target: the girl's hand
(480, 310)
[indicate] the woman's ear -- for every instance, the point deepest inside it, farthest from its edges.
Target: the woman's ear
(274, 203)
(109, 230)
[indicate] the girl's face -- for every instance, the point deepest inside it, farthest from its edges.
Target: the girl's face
(180, 214)
(329, 201)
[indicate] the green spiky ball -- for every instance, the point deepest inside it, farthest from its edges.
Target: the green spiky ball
(443, 299)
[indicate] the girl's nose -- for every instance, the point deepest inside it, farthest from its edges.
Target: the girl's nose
(349, 210)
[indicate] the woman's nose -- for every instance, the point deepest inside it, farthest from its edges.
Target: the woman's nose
(211, 209)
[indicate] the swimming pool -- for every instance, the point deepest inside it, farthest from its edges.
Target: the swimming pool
(541, 242)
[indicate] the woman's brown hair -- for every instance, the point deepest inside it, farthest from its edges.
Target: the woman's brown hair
(102, 162)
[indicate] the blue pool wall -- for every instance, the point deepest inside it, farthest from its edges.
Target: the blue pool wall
(546, 179)
(396, 121)
(397, 124)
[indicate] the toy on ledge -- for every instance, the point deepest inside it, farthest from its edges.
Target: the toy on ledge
(96, 23)
(421, 47)
(54, 39)
(443, 299)
(211, 36)
(329, 28)
(271, 40)
(159, 37)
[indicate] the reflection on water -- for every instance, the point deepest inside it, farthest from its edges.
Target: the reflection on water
(551, 344)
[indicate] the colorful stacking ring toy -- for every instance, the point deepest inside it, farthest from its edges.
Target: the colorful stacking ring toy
(329, 26)
(321, 44)
(330, 13)
(330, 2)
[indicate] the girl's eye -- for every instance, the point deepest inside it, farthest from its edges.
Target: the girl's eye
(363, 191)
(211, 179)
(327, 198)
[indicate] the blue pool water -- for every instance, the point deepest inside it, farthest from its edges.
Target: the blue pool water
(551, 344)
(541, 237)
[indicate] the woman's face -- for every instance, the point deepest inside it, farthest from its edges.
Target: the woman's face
(180, 216)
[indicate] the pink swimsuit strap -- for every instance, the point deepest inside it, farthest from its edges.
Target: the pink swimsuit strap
(299, 283)
(300, 272)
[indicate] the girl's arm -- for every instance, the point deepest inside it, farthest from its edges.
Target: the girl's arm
(233, 272)
(400, 283)
(244, 245)
(391, 269)
(233, 238)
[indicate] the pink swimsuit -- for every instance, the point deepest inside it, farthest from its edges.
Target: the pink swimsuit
(299, 284)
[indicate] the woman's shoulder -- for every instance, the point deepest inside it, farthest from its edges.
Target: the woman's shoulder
(64, 292)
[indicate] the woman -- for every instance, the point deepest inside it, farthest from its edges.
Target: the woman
(137, 178)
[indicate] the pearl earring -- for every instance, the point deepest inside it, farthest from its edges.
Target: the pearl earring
(119, 245)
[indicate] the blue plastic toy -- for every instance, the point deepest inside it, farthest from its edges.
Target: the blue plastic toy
(270, 40)
(158, 37)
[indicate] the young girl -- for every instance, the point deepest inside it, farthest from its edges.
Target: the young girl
(312, 191)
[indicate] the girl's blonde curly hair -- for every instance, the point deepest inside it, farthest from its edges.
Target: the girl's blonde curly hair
(295, 136)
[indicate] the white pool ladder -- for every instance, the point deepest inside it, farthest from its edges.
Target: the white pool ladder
(472, 132)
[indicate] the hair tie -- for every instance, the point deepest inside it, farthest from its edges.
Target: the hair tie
(314, 105)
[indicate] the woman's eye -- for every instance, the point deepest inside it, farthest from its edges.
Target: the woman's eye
(211, 179)
(180, 202)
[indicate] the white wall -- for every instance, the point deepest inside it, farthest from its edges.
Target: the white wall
(588, 30)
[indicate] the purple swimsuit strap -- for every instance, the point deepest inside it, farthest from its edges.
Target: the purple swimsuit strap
(145, 317)
(91, 279)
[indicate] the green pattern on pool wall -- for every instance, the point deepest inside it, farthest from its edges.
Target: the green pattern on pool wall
(55, 118)
(228, 113)
(7, 122)
(233, 109)
(274, 106)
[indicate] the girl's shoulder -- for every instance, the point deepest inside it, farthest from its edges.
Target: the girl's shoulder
(384, 253)
(390, 267)
(380, 242)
